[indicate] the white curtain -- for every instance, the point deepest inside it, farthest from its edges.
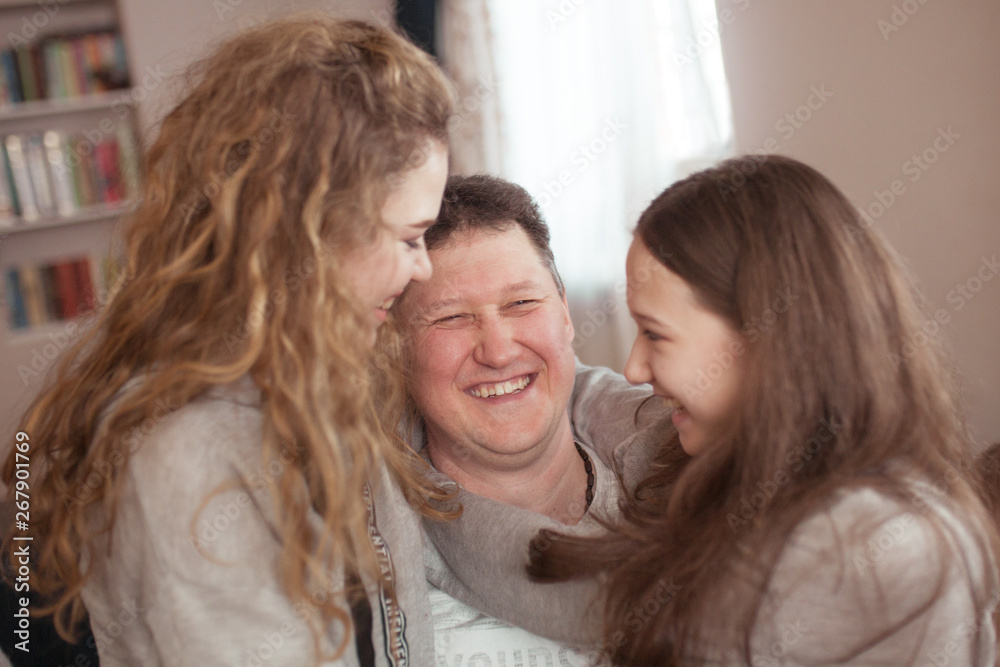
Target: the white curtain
(594, 106)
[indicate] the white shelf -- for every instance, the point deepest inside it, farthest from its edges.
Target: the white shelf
(66, 105)
(90, 214)
(33, 4)
(43, 333)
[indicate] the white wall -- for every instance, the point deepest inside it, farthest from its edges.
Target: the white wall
(930, 65)
(164, 37)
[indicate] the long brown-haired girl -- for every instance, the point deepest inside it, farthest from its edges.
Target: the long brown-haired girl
(824, 511)
(200, 466)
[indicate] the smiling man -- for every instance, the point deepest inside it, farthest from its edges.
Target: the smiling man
(493, 363)
(492, 372)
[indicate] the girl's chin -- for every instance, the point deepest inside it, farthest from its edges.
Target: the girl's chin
(690, 451)
(691, 443)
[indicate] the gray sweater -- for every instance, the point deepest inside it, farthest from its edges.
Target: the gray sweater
(184, 580)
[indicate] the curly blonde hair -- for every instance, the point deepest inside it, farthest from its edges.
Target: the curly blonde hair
(271, 169)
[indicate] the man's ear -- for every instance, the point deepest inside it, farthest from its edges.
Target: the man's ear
(570, 332)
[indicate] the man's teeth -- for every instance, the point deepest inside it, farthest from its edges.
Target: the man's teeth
(501, 388)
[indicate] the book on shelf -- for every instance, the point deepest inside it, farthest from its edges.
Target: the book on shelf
(66, 282)
(38, 172)
(61, 66)
(37, 294)
(62, 180)
(32, 295)
(15, 302)
(54, 174)
(24, 191)
(8, 208)
(11, 93)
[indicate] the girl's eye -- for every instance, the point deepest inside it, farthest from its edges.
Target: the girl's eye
(414, 244)
(652, 336)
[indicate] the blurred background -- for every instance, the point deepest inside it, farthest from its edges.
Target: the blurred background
(595, 106)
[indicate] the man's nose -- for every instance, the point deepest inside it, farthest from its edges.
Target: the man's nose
(497, 346)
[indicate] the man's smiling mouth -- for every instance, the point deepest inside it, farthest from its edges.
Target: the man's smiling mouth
(501, 388)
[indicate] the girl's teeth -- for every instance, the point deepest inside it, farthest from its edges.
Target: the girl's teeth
(673, 403)
(387, 304)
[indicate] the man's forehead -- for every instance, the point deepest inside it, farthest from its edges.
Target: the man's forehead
(445, 295)
(481, 264)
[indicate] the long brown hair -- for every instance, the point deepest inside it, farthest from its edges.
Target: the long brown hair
(842, 389)
(274, 165)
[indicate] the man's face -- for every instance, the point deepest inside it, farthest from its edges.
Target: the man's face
(490, 343)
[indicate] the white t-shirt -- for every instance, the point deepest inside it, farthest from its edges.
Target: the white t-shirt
(466, 637)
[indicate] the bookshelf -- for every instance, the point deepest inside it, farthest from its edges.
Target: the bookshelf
(68, 168)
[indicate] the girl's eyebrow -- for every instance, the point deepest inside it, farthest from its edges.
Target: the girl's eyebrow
(642, 318)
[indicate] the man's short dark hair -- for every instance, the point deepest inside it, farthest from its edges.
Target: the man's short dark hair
(478, 202)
